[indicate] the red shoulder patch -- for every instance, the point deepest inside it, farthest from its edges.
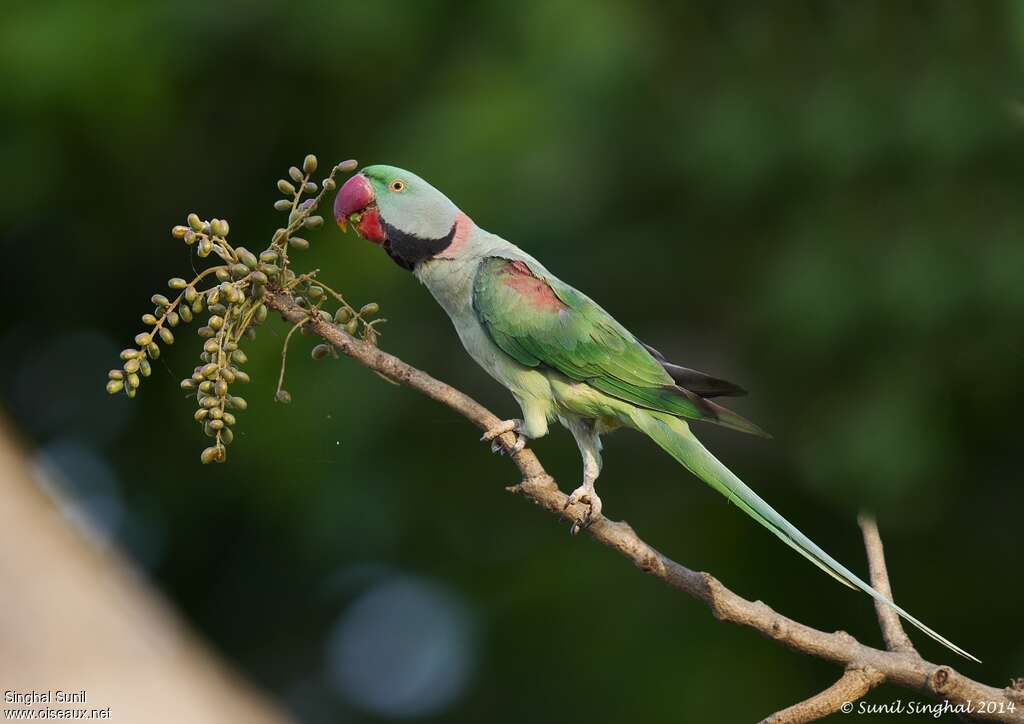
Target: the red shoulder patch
(535, 291)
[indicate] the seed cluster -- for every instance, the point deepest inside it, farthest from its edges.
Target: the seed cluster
(231, 295)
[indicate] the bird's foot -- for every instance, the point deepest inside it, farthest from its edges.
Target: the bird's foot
(585, 495)
(494, 437)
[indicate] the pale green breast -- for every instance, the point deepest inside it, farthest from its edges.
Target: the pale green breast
(450, 281)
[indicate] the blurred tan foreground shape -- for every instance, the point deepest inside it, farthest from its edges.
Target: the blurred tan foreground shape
(74, 616)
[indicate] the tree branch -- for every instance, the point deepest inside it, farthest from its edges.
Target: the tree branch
(852, 685)
(904, 669)
(895, 637)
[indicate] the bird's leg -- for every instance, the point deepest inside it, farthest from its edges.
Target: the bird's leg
(587, 495)
(494, 436)
(590, 448)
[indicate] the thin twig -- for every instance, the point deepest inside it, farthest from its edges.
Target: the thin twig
(895, 637)
(852, 685)
(284, 348)
(838, 647)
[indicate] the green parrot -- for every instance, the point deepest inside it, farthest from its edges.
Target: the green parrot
(558, 352)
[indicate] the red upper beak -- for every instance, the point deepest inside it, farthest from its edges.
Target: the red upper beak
(354, 195)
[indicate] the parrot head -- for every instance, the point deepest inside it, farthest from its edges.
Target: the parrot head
(399, 211)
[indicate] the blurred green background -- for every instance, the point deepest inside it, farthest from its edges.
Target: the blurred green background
(820, 201)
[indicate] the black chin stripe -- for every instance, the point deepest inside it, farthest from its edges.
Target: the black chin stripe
(407, 250)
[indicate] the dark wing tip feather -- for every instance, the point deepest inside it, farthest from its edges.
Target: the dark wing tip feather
(703, 384)
(736, 421)
(713, 412)
(654, 353)
(699, 382)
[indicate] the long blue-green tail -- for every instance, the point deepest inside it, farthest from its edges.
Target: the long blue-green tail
(674, 436)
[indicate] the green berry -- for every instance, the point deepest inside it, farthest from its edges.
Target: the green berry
(321, 351)
(212, 454)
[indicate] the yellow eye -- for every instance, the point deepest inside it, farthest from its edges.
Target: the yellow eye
(398, 186)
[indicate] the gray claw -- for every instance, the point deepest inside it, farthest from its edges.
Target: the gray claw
(584, 495)
(494, 434)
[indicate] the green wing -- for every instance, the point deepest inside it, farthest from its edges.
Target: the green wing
(539, 320)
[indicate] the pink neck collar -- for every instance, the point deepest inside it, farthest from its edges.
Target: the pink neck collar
(463, 226)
